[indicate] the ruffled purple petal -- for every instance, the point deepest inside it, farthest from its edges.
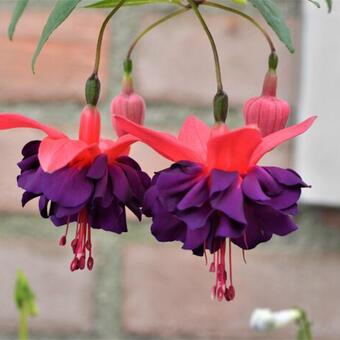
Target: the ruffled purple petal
(252, 188)
(68, 186)
(31, 148)
(196, 196)
(195, 218)
(230, 202)
(195, 238)
(103, 190)
(286, 177)
(98, 169)
(28, 163)
(220, 181)
(227, 228)
(28, 196)
(167, 228)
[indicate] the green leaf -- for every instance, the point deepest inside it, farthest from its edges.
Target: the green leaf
(272, 14)
(17, 13)
(329, 5)
(59, 14)
(113, 3)
(316, 3)
(328, 2)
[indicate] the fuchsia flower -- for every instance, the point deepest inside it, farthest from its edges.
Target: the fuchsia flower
(267, 111)
(216, 191)
(89, 180)
(128, 104)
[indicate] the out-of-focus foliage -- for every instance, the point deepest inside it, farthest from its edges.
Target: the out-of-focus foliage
(17, 13)
(113, 3)
(60, 12)
(272, 14)
(24, 296)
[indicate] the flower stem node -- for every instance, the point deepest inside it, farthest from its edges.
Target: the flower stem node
(221, 106)
(92, 90)
(127, 66)
(273, 61)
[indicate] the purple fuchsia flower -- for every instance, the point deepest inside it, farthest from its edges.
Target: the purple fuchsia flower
(90, 181)
(216, 191)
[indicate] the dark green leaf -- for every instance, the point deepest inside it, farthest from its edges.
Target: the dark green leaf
(272, 14)
(113, 3)
(17, 13)
(60, 12)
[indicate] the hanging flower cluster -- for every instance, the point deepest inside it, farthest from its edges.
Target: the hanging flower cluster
(213, 196)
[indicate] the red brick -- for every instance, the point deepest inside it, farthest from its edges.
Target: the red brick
(64, 65)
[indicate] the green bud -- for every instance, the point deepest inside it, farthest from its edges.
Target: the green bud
(92, 90)
(273, 61)
(220, 106)
(127, 66)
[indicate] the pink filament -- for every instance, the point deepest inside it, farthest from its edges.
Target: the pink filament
(220, 289)
(81, 244)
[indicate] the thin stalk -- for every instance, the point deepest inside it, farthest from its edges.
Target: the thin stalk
(249, 18)
(212, 43)
(23, 324)
(152, 26)
(101, 34)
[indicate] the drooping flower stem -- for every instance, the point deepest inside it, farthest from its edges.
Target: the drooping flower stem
(101, 34)
(194, 6)
(152, 26)
(249, 18)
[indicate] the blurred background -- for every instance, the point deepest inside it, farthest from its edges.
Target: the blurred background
(140, 289)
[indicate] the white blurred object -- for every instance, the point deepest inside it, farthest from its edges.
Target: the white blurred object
(318, 151)
(263, 319)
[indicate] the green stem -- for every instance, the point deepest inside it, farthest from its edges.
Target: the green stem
(249, 18)
(155, 24)
(101, 34)
(212, 43)
(23, 324)
(305, 326)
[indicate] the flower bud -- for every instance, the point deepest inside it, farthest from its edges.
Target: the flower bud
(128, 104)
(267, 111)
(221, 106)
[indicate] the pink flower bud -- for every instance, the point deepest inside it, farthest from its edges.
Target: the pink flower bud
(128, 104)
(267, 111)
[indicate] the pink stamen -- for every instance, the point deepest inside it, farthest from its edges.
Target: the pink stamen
(220, 290)
(63, 239)
(244, 256)
(81, 244)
